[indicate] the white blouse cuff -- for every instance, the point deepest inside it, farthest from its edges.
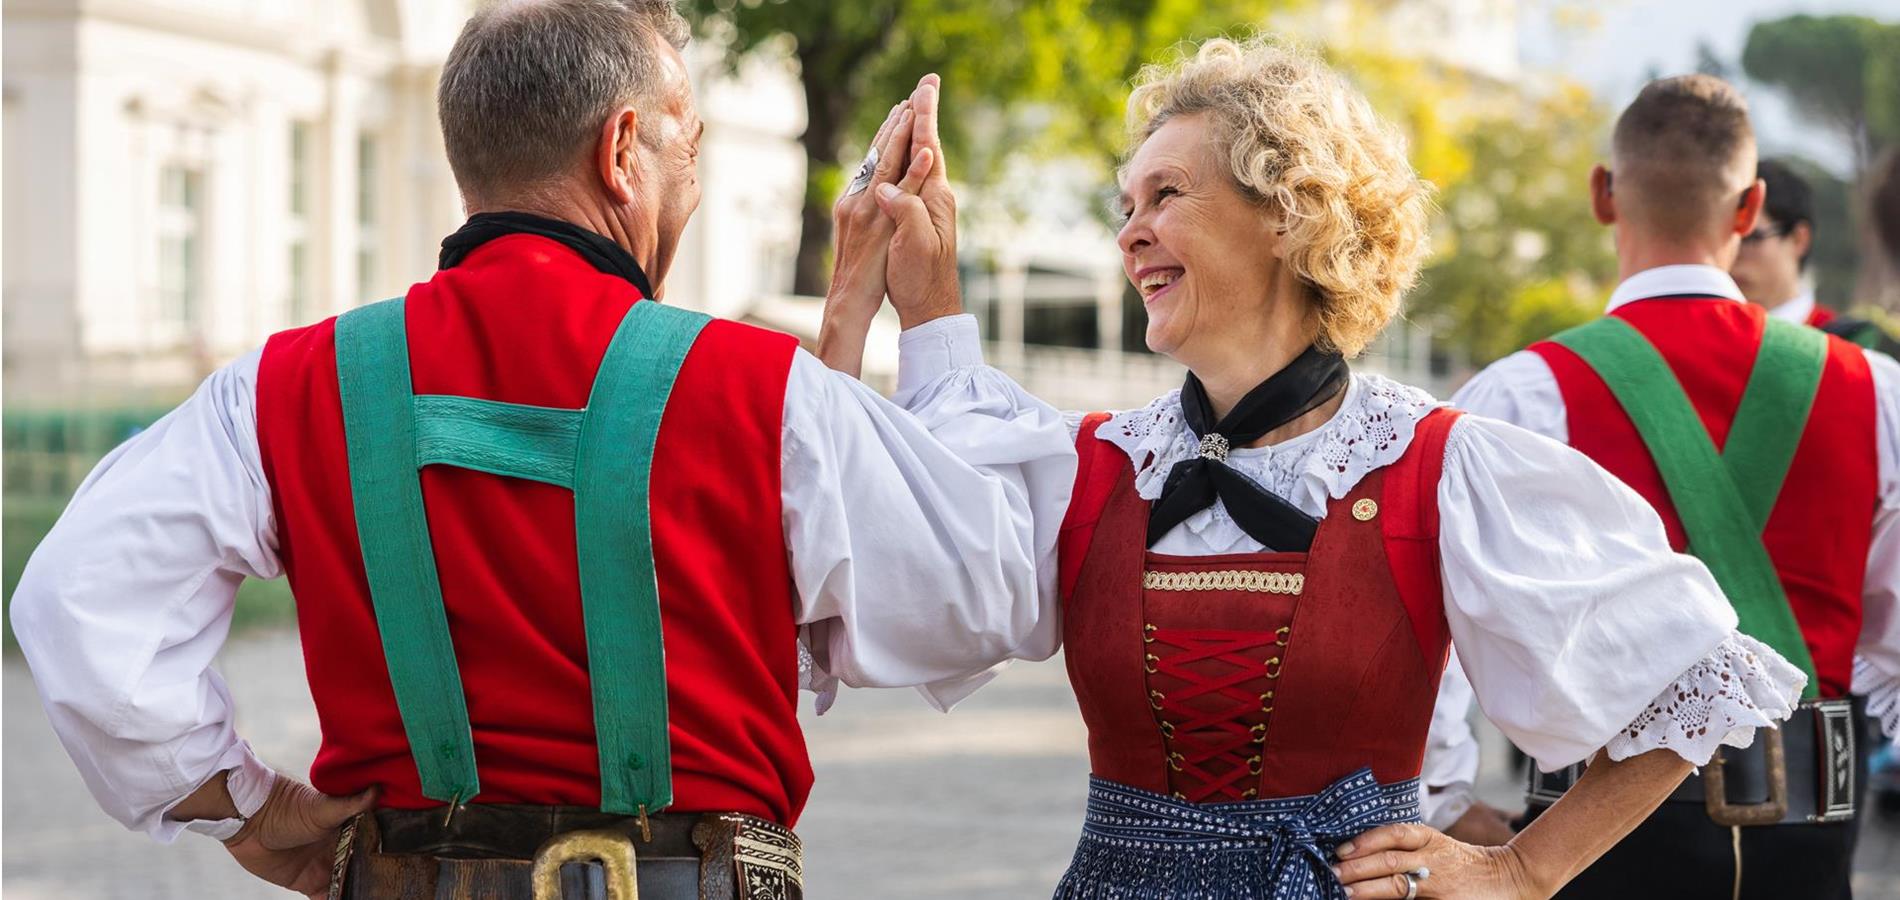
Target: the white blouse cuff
(1741, 686)
(928, 351)
(1883, 696)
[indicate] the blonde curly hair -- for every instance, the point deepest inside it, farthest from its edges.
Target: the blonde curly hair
(1306, 146)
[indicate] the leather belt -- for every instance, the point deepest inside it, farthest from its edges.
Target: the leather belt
(564, 853)
(1799, 774)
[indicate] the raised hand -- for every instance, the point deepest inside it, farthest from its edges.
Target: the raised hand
(862, 235)
(922, 269)
(291, 841)
(1372, 866)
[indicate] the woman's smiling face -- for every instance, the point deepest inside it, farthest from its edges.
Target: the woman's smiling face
(1199, 251)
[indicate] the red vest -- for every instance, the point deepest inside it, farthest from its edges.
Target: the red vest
(1819, 316)
(1821, 526)
(1218, 694)
(525, 320)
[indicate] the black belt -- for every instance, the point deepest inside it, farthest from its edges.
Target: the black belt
(1799, 774)
(564, 853)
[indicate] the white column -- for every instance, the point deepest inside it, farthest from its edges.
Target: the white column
(333, 243)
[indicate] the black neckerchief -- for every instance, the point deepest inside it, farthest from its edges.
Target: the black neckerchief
(601, 253)
(1194, 484)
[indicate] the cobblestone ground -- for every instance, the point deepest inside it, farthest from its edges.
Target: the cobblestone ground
(909, 803)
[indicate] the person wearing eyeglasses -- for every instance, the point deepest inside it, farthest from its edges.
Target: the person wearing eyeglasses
(1772, 270)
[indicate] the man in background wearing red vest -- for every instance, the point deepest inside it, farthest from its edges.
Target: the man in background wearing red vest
(1772, 452)
(1771, 266)
(557, 547)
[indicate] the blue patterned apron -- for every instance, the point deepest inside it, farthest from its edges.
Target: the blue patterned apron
(1140, 845)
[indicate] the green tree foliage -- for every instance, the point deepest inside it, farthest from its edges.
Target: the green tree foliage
(1519, 256)
(1062, 67)
(1842, 72)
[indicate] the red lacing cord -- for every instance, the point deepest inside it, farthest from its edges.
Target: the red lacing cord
(1199, 735)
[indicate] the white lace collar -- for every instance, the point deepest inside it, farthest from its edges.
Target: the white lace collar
(1373, 427)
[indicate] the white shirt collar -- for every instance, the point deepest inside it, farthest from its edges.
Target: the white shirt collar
(1796, 310)
(1664, 281)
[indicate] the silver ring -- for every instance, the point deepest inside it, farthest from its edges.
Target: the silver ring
(1423, 872)
(1411, 886)
(862, 180)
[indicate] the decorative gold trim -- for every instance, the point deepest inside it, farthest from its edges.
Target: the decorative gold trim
(1226, 580)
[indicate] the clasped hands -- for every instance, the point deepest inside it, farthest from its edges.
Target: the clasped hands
(896, 236)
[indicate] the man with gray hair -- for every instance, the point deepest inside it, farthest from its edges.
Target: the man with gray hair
(599, 541)
(1772, 452)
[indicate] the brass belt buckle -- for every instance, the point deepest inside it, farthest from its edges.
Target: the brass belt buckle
(612, 849)
(1769, 812)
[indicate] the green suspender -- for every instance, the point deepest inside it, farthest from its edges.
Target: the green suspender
(1722, 498)
(604, 453)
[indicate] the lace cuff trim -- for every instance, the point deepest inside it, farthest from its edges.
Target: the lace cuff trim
(1740, 686)
(1883, 696)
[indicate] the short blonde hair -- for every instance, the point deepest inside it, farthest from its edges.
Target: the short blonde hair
(1304, 144)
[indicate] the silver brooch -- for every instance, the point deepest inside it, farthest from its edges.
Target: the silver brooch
(1214, 447)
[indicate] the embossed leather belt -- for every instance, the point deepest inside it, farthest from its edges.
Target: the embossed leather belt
(564, 853)
(1802, 773)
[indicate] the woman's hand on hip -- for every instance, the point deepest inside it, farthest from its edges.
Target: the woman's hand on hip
(1373, 866)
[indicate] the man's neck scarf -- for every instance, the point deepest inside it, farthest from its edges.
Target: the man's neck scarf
(599, 251)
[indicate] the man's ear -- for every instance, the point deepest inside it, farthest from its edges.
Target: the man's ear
(615, 159)
(1749, 212)
(1802, 236)
(1602, 204)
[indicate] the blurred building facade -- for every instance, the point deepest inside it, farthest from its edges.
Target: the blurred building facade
(183, 178)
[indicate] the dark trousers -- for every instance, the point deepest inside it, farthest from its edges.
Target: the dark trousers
(1678, 854)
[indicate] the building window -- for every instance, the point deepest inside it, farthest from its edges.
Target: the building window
(368, 237)
(180, 246)
(297, 225)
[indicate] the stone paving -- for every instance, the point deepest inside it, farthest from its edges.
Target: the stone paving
(985, 802)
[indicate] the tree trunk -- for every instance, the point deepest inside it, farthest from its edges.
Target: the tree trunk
(828, 105)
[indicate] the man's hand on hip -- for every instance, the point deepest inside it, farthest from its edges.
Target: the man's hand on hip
(291, 841)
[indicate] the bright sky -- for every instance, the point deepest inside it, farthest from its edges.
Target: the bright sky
(1632, 37)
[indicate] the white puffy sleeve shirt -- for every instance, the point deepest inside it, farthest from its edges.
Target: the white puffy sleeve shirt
(912, 530)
